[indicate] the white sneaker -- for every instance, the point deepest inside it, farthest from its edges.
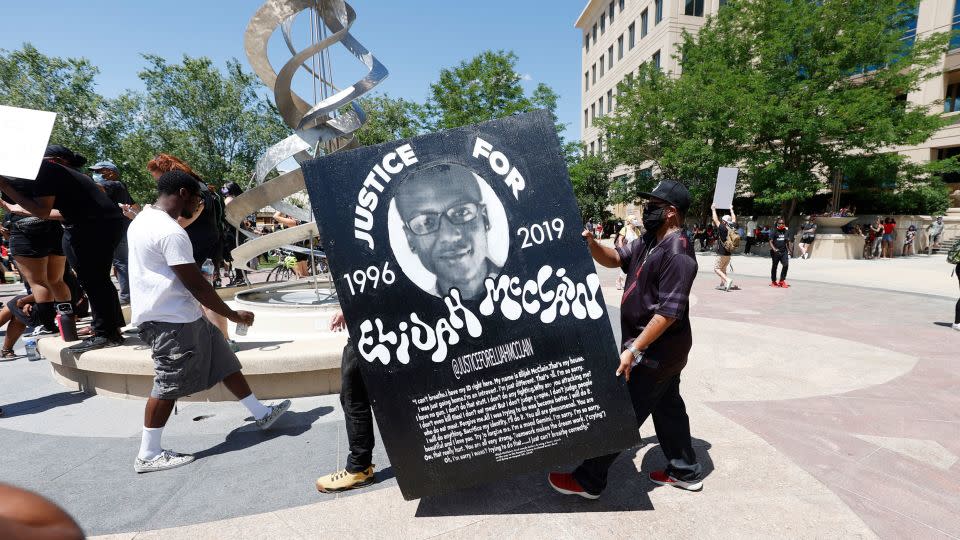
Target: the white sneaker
(276, 411)
(955, 327)
(167, 459)
(729, 285)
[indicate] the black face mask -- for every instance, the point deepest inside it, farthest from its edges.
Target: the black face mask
(653, 218)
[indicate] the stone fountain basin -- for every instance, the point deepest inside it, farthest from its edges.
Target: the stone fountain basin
(832, 225)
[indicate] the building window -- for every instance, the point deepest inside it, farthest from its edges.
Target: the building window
(657, 11)
(955, 40)
(586, 118)
(586, 81)
(951, 101)
(602, 64)
(656, 59)
(601, 107)
(591, 149)
(593, 69)
(586, 41)
(611, 12)
(610, 57)
(621, 6)
(632, 33)
(594, 33)
(693, 7)
(593, 112)
(620, 47)
(609, 101)
(643, 24)
(603, 23)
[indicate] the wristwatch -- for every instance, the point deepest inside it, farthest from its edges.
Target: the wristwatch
(637, 354)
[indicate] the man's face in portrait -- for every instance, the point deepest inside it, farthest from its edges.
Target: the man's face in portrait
(445, 221)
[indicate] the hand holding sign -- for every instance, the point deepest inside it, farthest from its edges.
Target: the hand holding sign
(24, 134)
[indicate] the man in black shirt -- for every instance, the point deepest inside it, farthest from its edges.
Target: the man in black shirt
(780, 253)
(655, 325)
(91, 223)
(107, 175)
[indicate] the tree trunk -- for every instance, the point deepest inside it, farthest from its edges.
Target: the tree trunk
(788, 210)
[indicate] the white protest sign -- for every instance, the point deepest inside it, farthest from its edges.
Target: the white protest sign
(24, 134)
(726, 186)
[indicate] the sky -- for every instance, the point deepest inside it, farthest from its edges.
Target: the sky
(413, 39)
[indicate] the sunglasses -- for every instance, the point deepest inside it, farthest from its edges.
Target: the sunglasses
(429, 222)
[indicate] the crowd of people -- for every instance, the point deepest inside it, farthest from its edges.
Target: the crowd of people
(68, 231)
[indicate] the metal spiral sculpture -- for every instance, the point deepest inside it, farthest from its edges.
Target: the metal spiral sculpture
(318, 129)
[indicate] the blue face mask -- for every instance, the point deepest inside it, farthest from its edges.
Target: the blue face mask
(98, 178)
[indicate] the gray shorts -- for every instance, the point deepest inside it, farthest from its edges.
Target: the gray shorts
(188, 357)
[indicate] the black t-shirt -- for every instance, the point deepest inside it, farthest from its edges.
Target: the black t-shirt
(659, 278)
(203, 232)
(780, 237)
(808, 230)
(119, 194)
(24, 187)
(76, 195)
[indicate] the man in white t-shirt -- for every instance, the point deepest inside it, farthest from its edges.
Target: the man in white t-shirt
(166, 290)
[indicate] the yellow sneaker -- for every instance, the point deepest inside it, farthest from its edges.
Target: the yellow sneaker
(343, 480)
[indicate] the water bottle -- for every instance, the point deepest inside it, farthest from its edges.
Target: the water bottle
(32, 353)
(67, 322)
(208, 269)
(241, 329)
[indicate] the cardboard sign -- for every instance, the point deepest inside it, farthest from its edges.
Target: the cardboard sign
(24, 134)
(473, 303)
(726, 187)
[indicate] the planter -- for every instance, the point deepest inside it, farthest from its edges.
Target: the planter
(832, 225)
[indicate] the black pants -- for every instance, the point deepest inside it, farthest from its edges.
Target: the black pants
(779, 257)
(750, 243)
(662, 400)
(356, 411)
(956, 315)
(89, 248)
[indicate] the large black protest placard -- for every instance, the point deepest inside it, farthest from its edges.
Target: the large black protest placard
(472, 302)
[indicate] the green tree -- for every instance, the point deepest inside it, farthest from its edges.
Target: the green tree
(484, 88)
(388, 119)
(824, 83)
(218, 122)
(683, 132)
(32, 80)
(590, 177)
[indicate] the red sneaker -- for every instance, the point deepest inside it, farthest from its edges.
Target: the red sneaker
(783, 284)
(664, 479)
(774, 284)
(566, 484)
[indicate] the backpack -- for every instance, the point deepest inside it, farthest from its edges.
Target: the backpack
(953, 256)
(733, 240)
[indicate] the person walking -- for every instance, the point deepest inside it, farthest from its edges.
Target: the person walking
(752, 233)
(358, 417)
(780, 248)
(655, 324)
(167, 289)
(107, 176)
(956, 310)
(91, 233)
(202, 227)
(808, 232)
(729, 223)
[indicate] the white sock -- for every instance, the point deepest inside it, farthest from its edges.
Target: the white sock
(257, 409)
(150, 443)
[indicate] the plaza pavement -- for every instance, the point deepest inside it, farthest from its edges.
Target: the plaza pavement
(830, 409)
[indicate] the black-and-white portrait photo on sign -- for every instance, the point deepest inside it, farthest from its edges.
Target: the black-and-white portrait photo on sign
(472, 302)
